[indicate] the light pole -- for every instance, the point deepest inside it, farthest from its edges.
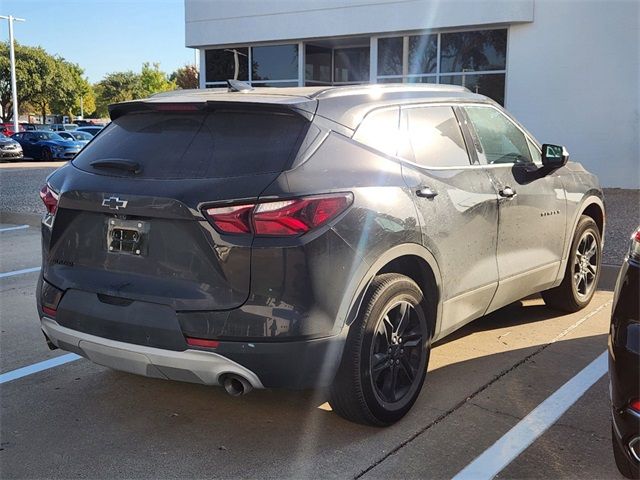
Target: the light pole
(12, 56)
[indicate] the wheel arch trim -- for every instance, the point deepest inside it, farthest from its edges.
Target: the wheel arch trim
(591, 197)
(394, 253)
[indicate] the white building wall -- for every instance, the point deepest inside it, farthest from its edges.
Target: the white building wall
(242, 21)
(573, 79)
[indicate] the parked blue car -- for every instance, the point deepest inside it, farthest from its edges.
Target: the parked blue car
(75, 136)
(47, 146)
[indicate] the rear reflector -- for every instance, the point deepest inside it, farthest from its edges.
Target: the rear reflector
(50, 312)
(50, 199)
(202, 342)
(635, 405)
(283, 218)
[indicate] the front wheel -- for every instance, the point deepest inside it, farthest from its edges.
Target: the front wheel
(386, 356)
(582, 272)
(46, 155)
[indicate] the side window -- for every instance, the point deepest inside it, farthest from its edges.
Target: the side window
(500, 140)
(434, 138)
(536, 156)
(380, 130)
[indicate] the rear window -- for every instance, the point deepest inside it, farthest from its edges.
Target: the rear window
(213, 144)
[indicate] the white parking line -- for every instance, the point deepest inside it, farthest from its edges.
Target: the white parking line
(19, 272)
(9, 229)
(493, 460)
(38, 367)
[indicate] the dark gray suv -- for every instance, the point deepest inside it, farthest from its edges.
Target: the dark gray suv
(308, 237)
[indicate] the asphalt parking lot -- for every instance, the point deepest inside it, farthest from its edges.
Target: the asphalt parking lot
(486, 386)
(80, 420)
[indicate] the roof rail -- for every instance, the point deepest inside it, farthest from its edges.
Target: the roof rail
(336, 91)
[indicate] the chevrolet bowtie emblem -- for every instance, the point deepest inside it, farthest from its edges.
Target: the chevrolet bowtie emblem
(114, 203)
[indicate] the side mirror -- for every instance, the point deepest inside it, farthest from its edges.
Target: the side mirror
(554, 156)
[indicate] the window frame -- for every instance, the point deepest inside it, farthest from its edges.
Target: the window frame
(250, 46)
(375, 111)
(463, 123)
(406, 77)
(529, 139)
(404, 131)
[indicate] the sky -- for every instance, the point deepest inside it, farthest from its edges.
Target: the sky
(103, 36)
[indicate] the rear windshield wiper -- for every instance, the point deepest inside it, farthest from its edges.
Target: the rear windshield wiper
(117, 164)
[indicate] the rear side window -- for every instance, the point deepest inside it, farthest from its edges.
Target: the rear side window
(380, 130)
(434, 138)
(216, 144)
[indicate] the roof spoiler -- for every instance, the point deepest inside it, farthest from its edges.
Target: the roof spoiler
(117, 110)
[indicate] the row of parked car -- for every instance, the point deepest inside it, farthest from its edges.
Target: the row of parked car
(46, 142)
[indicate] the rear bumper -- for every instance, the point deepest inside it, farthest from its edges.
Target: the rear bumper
(626, 428)
(288, 364)
(65, 155)
(187, 366)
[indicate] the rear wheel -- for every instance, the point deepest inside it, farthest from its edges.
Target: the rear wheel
(46, 155)
(385, 360)
(582, 272)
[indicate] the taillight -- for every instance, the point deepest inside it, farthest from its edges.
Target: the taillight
(202, 342)
(50, 199)
(634, 247)
(635, 405)
(234, 219)
(284, 218)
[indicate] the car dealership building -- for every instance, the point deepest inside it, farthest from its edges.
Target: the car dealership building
(569, 70)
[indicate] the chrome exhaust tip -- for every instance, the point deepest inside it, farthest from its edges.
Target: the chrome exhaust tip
(235, 385)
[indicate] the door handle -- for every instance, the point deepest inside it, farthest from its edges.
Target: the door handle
(426, 192)
(507, 192)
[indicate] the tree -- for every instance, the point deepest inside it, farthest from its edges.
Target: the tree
(186, 77)
(117, 87)
(44, 82)
(153, 80)
(70, 87)
(30, 63)
(45, 73)
(122, 86)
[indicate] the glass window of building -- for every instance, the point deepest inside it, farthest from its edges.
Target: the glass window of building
(351, 65)
(275, 62)
(220, 64)
(473, 51)
(390, 56)
(474, 59)
(423, 54)
(490, 84)
(317, 68)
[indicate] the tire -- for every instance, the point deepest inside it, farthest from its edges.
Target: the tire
(623, 463)
(392, 333)
(46, 155)
(582, 272)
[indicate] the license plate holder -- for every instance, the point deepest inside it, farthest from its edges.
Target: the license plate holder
(127, 236)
